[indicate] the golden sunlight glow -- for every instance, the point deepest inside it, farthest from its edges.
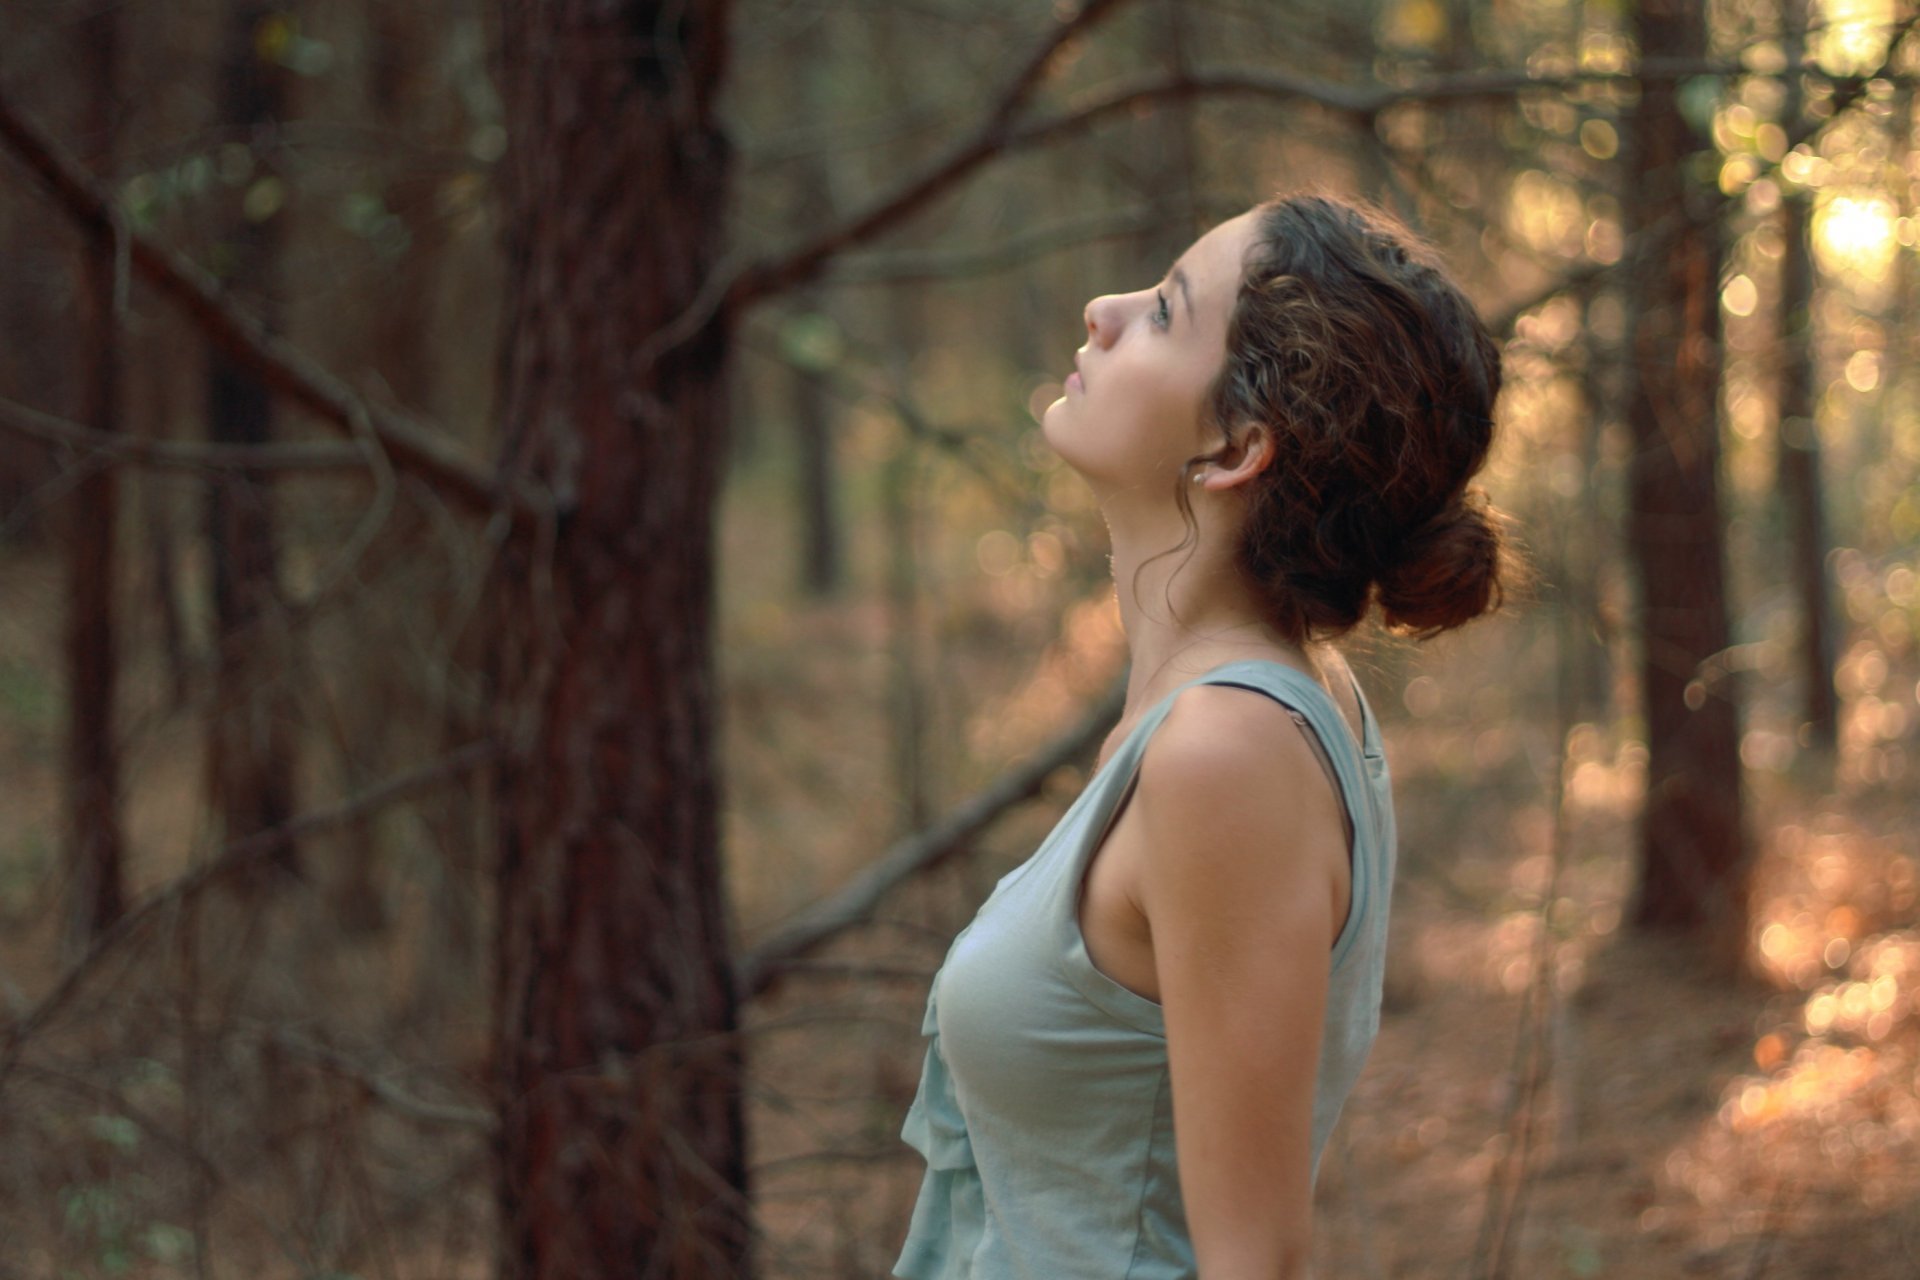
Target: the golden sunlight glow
(1771, 141)
(1599, 139)
(1602, 50)
(1855, 236)
(1850, 36)
(1737, 172)
(1740, 296)
(1416, 24)
(1819, 1075)
(1546, 213)
(1863, 370)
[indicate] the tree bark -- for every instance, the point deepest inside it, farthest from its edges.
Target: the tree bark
(616, 1063)
(1799, 441)
(403, 97)
(1693, 858)
(250, 747)
(96, 848)
(823, 561)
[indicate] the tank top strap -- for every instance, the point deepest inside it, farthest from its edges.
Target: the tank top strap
(1301, 693)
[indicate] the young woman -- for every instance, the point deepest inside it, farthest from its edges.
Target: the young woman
(1139, 1046)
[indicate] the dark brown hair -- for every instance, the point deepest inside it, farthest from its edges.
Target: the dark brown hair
(1377, 379)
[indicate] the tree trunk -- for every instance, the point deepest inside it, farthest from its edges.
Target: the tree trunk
(250, 749)
(401, 43)
(1583, 679)
(902, 493)
(95, 853)
(823, 568)
(1799, 447)
(1692, 847)
(1799, 479)
(617, 1066)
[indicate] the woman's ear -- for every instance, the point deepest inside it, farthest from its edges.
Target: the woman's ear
(1249, 453)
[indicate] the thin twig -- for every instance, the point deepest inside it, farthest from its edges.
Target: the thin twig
(995, 133)
(372, 520)
(1361, 103)
(382, 1088)
(255, 459)
(241, 853)
(1509, 1181)
(412, 446)
(1770, 1226)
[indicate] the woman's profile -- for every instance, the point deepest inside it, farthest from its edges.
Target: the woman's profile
(1138, 1047)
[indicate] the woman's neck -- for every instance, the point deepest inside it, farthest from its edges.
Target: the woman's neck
(1188, 612)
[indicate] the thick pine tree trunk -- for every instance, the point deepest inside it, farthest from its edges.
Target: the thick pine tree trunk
(94, 853)
(1692, 847)
(615, 1055)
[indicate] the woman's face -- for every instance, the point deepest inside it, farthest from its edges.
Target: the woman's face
(1133, 411)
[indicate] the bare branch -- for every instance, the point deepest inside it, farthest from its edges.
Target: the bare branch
(1361, 103)
(161, 1134)
(994, 134)
(256, 459)
(1013, 99)
(239, 854)
(854, 378)
(1848, 90)
(761, 966)
(911, 265)
(412, 446)
(380, 1086)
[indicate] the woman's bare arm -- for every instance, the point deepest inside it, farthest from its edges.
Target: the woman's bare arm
(1244, 884)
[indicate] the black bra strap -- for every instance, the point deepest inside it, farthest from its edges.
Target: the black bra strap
(1326, 764)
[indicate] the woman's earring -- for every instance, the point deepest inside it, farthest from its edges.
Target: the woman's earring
(1198, 476)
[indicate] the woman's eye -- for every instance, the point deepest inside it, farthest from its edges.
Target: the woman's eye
(1163, 316)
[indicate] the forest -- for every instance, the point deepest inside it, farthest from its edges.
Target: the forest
(534, 605)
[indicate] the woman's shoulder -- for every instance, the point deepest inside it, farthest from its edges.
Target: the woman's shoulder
(1223, 752)
(1237, 821)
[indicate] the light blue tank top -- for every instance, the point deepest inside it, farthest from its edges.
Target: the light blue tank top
(1044, 1111)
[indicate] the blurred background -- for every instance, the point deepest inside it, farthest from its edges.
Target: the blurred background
(525, 547)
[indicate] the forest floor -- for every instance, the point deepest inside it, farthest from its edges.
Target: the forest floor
(1680, 1126)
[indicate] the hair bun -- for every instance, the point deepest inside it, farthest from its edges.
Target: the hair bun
(1447, 571)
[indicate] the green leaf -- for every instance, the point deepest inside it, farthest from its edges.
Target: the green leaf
(115, 1131)
(264, 198)
(813, 342)
(1697, 97)
(165, 1242)
(1580, 1252)
(306, 56)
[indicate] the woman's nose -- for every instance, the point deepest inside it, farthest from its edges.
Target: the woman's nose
(1103, 322)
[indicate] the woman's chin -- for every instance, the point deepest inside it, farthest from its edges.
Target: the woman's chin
(1088, 456)
(1050, 425)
